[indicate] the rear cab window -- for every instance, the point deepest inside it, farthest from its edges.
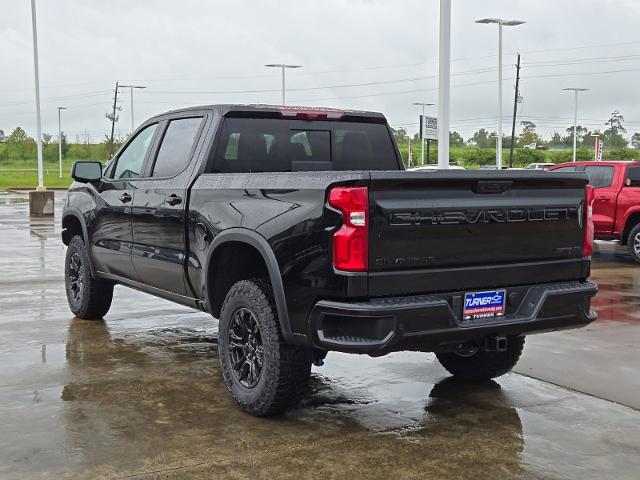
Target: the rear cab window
(286, 145)
(600, 175)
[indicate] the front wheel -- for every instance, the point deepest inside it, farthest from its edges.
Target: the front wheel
(476, 364)
(265, 375)
(633, 243)
(89, 298)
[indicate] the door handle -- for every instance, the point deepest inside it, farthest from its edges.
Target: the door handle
(125, 198)
(173, 199)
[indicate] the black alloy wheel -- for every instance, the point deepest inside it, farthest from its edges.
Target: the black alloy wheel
(246, 352)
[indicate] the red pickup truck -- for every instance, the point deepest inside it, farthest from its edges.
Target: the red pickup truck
(616, 205)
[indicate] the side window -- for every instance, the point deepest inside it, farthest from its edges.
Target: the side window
(130, 161)
(632, 179)
(174, 153)
(564, 169)
(599, 176)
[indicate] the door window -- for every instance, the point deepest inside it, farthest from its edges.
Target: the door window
(175, 151)
(132, 157)
(599, 176)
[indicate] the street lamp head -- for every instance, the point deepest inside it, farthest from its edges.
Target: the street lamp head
(501, 21)
(422, 104)
(282, 65)
(574, 89)
(131, 86)
(62, 108)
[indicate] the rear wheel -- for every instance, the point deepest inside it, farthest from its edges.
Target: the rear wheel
(89, 298)
(265, 375)
(477, 364)
(633, 243)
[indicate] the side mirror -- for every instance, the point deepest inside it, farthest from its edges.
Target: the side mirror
(633, 177)
(86, 172)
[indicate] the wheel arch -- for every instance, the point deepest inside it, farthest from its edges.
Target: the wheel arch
(251, 241)
(631, 221)
(73, 223)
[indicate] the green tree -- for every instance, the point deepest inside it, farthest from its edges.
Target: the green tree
(455, 139)
(557, 140)
(615, 141)
(49, 152)
(483, 139)
(2, 136)
(528, 135)
(615, 123)
(580, 133)
(20, 145)
(109, 147)
(613, 136)
(399, 134)
(635, 140)
(65, 144)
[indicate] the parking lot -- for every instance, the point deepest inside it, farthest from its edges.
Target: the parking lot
(140, 394)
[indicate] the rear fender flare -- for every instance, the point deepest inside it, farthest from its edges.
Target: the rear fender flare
(258, 242)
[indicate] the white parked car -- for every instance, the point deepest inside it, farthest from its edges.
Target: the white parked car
(433, 167)
(540, 166)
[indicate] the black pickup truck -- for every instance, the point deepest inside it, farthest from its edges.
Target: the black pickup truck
(299, 230)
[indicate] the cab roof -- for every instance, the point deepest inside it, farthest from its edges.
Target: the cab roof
(263, 110)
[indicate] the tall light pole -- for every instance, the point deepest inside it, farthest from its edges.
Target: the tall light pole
(283, 67)
(444, 83)
(37, 83)
(60, 140)
(422, 127)
(131, 87)
(509, 23)
(575, 115)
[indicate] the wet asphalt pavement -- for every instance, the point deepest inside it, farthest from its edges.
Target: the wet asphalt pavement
(140, 394)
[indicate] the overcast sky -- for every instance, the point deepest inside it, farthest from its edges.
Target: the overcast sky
(363, 54)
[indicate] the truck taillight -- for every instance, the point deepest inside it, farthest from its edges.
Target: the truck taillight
(587, 246)
(351, 241)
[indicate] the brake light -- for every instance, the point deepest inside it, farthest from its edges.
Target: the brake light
(587, 246)
(311, 113)
(351, 241)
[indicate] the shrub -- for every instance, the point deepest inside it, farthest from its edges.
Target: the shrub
(524, 156)
(620, 154)
(477, 156)
(564, 156)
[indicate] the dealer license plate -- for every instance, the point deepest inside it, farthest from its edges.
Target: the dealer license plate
(487, 304)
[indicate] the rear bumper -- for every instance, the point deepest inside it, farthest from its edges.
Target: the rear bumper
(434, 322)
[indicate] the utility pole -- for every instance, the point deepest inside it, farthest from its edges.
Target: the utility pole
(113, 119)
(515, 111)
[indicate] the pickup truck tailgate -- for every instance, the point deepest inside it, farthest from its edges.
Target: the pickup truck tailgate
(460, 219)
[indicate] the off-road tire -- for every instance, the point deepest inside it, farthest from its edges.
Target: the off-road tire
(483, 364)
(633, 243)
(89, 298)
(285, 368)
